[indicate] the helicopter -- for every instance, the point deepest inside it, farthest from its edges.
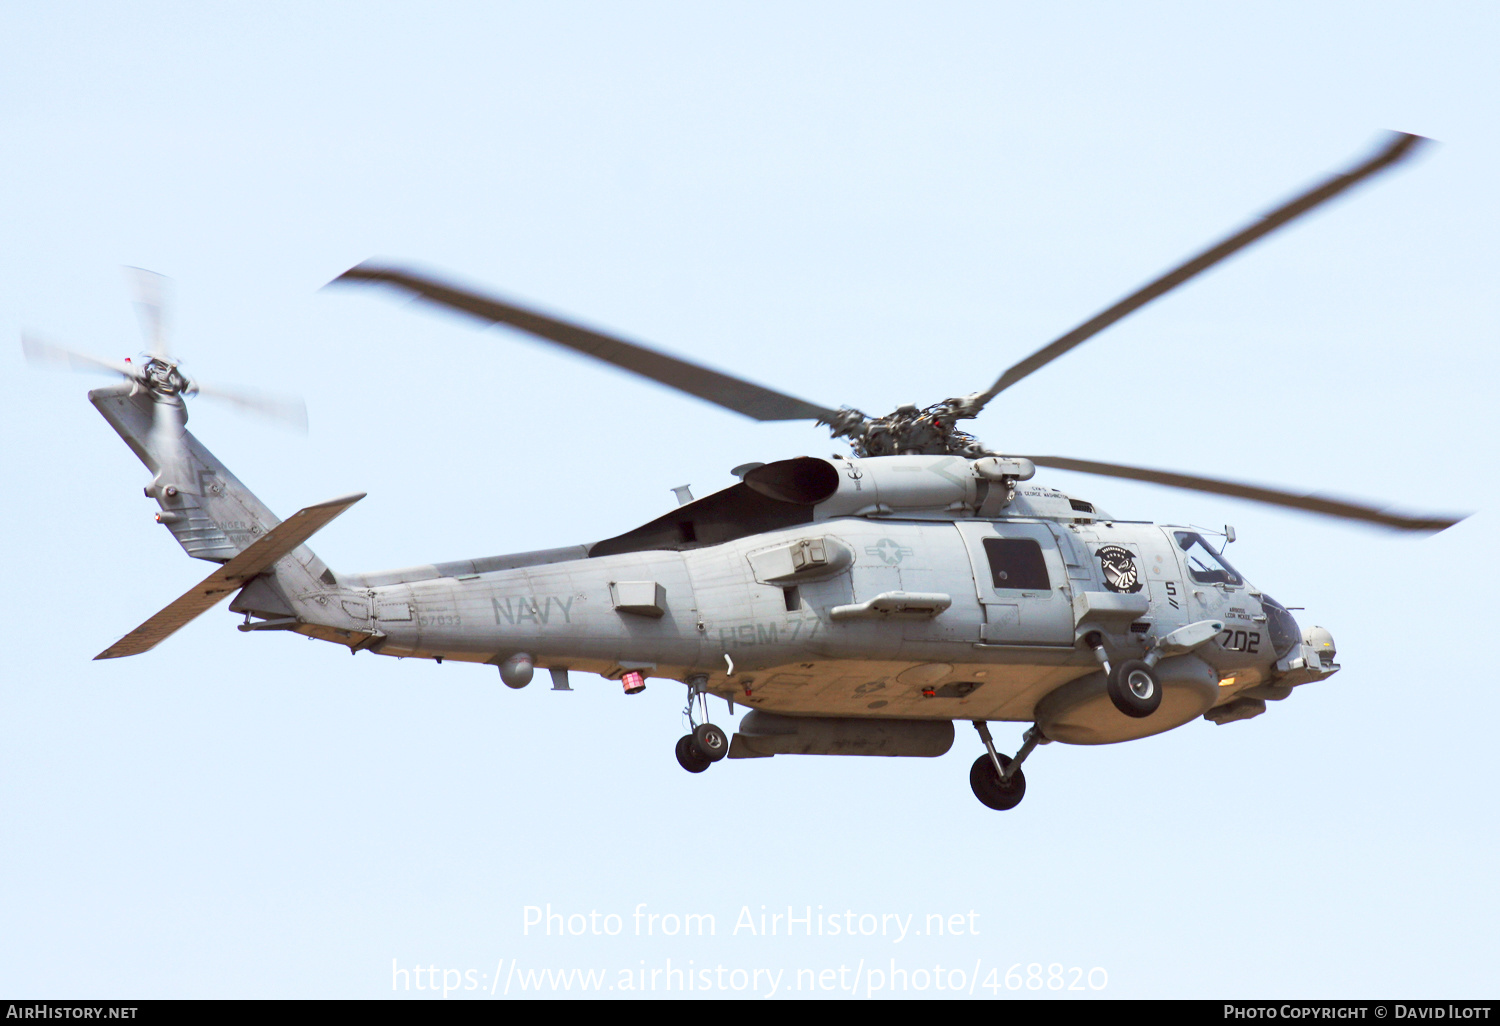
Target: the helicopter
(860, 604)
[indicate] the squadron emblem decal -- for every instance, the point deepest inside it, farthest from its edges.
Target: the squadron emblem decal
(1120, 573)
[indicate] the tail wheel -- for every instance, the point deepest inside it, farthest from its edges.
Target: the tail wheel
(1134, 689)
(990, 789)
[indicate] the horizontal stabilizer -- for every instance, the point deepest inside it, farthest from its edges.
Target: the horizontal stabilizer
(230, 577)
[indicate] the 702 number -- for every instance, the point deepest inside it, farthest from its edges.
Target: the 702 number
(1240, 641)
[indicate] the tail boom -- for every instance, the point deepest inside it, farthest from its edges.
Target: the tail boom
(216, 518)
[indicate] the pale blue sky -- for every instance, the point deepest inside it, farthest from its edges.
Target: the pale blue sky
(857, 203)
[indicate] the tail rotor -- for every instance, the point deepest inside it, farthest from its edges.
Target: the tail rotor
(160, 375)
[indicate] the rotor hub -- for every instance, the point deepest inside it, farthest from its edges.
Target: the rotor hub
(163, 378)
(909, 431)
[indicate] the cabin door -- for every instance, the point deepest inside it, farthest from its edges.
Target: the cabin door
(1022, 583)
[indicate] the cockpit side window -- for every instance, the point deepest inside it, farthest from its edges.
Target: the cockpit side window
(1205, 566)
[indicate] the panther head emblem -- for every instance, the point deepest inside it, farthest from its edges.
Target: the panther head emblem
(1120, 573)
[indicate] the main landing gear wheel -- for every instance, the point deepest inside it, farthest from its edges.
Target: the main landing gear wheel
(689, 757)
(707, 744)
(710, 741)
(1134, 689)
(993, 791)
(997, 779)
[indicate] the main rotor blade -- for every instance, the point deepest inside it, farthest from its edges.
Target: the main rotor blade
(1400, 146)
(726, 390)
(1256, 493)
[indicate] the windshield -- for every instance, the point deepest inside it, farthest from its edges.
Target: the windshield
(1204, 564)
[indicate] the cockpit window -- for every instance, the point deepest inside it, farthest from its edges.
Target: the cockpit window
(1285, 634)
(1204, 564)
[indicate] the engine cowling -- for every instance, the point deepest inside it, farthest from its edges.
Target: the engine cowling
(891, 484)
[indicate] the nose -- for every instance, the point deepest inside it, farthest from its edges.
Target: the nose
(1321, 641)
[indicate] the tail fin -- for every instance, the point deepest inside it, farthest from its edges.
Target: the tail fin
(216, 518)
(210, 513)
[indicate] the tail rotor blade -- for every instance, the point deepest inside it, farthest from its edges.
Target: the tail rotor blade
(150, 291)
(289, 411)
(162, 378)
(40, 352)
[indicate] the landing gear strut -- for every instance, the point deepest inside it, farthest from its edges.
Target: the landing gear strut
(707, 744)
(997, 779)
